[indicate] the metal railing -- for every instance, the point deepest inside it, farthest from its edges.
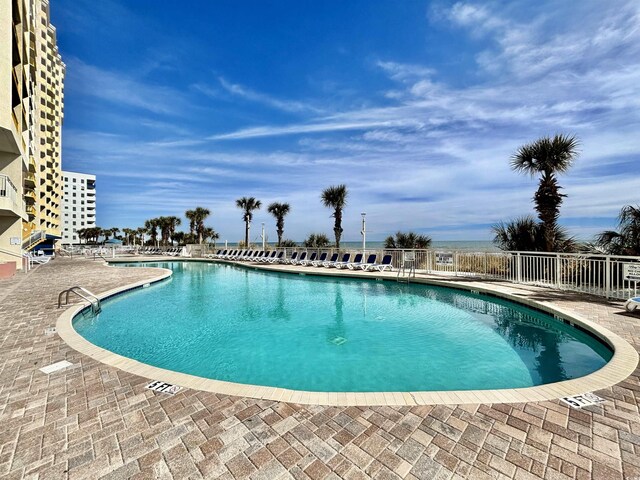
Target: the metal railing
(595, 274)
(82, 293)
(8, 190)
(36, 237)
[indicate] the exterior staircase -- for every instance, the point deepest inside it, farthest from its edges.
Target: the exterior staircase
(36, 238)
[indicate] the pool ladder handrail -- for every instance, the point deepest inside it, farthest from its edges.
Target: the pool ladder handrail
(84, 294)
(409, 265)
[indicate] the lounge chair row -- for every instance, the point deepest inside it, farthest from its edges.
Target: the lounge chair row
(323, 260)
(172, 252)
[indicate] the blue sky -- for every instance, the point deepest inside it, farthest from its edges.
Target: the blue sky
(416, 106)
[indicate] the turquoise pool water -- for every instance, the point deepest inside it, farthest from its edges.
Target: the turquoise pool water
(335, 334)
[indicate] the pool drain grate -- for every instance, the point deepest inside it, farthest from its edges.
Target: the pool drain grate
(339, 341)
(50, 330)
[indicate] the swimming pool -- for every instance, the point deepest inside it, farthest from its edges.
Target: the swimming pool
(337, 335)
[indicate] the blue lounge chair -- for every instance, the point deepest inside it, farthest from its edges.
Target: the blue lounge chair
(266, 258)
(331, 261)
(321, 260)
(278, 258)
(345, 259)
(356, 259)
(371, 259)
(292, 259)
(382, 266)
(300, 260)
(308, 261)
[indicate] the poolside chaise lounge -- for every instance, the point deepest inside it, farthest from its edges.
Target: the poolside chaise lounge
(280, 258)
(371, 260)
(256, 258)
(300, 260)
(330, 264)
(632, 304)
(308, 261)
(266, 258)
(321, 260)
(292, 259)
(356, 259)
(382, 266)
(332, 259)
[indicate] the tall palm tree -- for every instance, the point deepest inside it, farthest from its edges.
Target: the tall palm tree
(547, 157)
(164, 226)
(248, 205)
(626, 241)
(140, 233)
(129, 235)
(173, 223)
(196, 219)
(151, 227)
(335, 197)
(279, 211)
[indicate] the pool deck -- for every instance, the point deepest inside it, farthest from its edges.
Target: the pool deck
(93, 420)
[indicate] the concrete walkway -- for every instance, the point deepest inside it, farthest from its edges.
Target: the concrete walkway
(95, 421)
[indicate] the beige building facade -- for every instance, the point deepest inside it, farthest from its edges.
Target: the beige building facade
(31, 112)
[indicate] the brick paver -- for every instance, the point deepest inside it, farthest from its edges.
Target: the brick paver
(95, 421)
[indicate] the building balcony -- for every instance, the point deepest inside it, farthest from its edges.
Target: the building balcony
(30, 196)
(29, 180)
(11, 205)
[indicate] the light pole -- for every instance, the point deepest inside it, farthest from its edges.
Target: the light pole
(364, 234)
(263, 237)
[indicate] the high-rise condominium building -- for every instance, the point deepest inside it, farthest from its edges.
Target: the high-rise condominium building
(78, 205)
(31, 101)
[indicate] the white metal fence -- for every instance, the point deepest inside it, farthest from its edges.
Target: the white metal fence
(602, 275)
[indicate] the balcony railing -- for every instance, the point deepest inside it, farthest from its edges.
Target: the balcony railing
(8, 190)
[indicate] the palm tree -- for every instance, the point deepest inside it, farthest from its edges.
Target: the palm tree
(196, 221)
(211, 234)
(151, 226)
(108, 232)
(81, 232)
(129, 235)
(524, 234)
(547, 157)
(248, 205)
(407, 240)
(335, 197)
(173, 222)
(627, 240)
(279, 211)
(316, 240)
(191, 216)
(164, 226)
(140, 233)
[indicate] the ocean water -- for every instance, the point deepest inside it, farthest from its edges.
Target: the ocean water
(334, 334)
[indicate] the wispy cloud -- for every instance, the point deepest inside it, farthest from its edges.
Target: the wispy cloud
(424, 150)
(123, 90)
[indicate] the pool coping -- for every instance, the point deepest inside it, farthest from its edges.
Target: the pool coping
(622, 364)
